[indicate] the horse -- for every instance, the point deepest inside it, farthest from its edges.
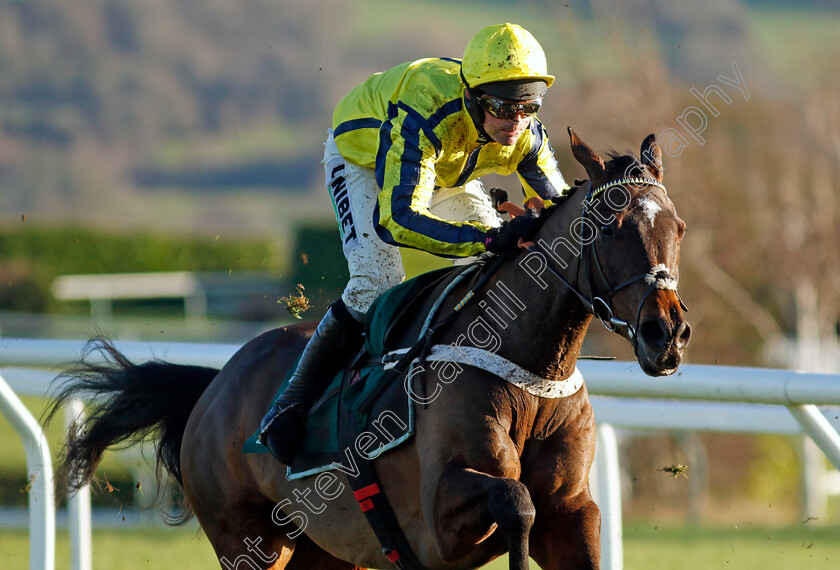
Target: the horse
(491, 467)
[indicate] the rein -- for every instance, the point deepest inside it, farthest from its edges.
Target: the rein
(658, 277)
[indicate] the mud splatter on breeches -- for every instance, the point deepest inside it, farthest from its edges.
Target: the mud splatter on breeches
(374, 265)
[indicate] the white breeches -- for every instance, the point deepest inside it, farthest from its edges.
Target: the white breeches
(376, 266)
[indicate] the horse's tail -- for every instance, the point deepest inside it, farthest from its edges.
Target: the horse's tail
(129, 402)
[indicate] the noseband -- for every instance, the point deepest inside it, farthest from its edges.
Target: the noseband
(657, 278)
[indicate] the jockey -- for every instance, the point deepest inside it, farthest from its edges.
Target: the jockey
(402, 163)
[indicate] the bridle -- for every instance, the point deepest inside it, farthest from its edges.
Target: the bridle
(657, 278)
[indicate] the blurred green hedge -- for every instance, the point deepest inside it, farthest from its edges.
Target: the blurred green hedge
(31, 258)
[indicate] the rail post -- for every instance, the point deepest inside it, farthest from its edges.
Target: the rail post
(609, 494)
(39, 482)
(78, 505)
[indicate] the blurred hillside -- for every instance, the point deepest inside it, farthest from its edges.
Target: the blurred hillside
(208, 118)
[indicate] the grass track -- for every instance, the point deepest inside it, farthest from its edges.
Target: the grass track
(734, 547)
(161, 549)
(646, 547)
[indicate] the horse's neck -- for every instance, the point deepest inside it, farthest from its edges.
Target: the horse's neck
(547, 336)
(540, 323)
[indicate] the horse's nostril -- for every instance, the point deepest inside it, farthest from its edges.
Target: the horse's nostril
(653, 333)
(685, 334)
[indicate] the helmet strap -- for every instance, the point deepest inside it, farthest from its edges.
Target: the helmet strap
(471, 96)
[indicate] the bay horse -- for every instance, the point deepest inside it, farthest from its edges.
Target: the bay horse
(491, 468)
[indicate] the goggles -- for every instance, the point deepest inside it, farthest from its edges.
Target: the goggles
(504, 110)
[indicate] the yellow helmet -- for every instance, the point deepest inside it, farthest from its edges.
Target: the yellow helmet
(504, 52)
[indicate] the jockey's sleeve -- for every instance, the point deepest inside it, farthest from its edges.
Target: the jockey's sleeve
(405, 172)
(538, 171)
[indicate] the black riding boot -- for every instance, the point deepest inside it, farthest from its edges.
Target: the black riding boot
(337, 338)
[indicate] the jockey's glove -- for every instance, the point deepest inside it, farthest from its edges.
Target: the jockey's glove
(498, 196)
(507, 235)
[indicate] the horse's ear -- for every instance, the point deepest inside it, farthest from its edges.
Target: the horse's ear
(590, 160)
(652, 156)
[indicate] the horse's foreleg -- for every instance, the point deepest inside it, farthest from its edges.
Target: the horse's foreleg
(566, 533)
(568, 536)
(510, 505)
(468, 507)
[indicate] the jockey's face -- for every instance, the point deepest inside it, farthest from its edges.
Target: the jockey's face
(506, 130)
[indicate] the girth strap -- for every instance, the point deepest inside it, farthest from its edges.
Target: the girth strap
(367, 491)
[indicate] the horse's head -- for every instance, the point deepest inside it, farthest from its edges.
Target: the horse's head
(629, 235)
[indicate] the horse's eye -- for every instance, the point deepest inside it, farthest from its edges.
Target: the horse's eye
(607, 231)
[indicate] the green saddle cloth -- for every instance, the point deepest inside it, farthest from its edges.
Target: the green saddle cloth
(321, 435)
(391, 305)
(320, 446)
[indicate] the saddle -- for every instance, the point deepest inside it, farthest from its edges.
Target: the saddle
(367, 389)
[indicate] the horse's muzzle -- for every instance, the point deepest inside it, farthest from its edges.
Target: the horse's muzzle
(662, 338)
